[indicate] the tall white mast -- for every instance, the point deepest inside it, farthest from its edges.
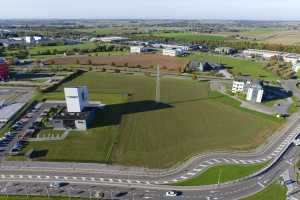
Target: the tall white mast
(157, 98)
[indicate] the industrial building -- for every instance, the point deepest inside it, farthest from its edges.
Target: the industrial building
(138, 49)
(225, 50)
(173, 52)
(7, 111)
(252, 88)
(78, 113)
(4, 71)
(202, 66)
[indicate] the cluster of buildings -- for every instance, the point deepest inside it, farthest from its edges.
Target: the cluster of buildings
(292, 58)
(111, 39)
(78, 113)
(33, 40)
(253, 89)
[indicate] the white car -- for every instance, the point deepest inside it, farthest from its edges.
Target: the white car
(172, 193)
(56, 184)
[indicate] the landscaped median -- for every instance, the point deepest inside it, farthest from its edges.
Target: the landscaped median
(222, 174)
(272, 192)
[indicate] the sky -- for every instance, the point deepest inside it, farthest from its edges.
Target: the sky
(152, 9)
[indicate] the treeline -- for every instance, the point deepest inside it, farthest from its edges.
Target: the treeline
(237, 44)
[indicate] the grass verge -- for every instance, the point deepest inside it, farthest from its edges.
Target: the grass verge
(222, 174)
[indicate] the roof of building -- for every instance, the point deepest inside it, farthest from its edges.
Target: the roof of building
(8, 111)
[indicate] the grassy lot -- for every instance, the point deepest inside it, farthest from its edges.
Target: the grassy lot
(37, 49)
(238, 66)
(222, 174)
(191, 119)
(189, 37)
(274, 191)
(294, 107)
(93, 146)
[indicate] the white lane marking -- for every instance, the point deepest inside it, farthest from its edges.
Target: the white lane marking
(3, 176)
(235, 161)
(29, 176)
(191, 174)
(12, 176)
(66, 178)
(260, 184)
(83, 178)
(183, 177)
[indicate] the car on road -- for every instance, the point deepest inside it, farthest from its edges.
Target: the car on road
(57, 184)
(173, 193)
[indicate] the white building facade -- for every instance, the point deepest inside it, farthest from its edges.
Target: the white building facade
(137, 49)
(173, 52)
(253, 89)
(76, 98)
(255, 94)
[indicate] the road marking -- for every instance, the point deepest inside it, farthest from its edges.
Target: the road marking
(3, 176)
(66, 178)
(56, 177)
(47, 177)
(29, 176)
(93, 179)
(260, 184)
(191, 174)
(235, 161)
(12, 176)
(183, 177)
(197, 170)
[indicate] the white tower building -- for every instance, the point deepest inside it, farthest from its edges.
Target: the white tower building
(76, 98)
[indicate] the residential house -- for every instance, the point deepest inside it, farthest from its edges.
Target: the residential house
(202, 66)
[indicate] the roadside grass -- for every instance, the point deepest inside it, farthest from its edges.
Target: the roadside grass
(274, 191)
(294, 107)
(237, 66)
(190, 120)
(222, 174)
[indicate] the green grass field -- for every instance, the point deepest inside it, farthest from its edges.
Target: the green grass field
(188, 37)
(191, 119)
(222, 174)
(273, 192)
(238, 66)
(37, 49)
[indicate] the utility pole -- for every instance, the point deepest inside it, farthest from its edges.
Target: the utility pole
(157, 98)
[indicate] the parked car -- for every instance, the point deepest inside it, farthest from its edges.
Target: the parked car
(173, 193)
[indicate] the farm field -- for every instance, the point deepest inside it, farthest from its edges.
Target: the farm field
(274, 191)
(222, 174)
(187, 37)
(143, 60)
(238, 66)
(191, 119)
